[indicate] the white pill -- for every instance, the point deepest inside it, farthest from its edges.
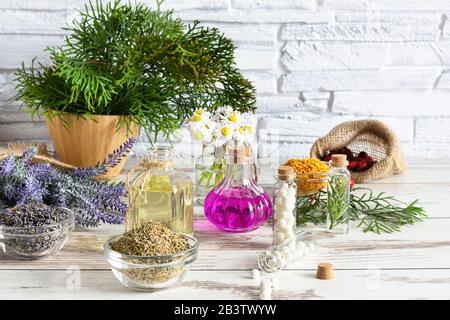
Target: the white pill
(265, 296)
(279, 237)
(264, 285)
(282, 192)
(275, 283)
(280, 201)
(301, 245)
(286, 251)
(292, 246)
(256, 274)
(312, 247)
(278, 255)
(306, 251)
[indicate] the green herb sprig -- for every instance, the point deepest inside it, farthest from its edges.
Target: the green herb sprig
(378, 213)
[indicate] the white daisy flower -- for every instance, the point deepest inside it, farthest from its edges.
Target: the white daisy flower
(223, 134)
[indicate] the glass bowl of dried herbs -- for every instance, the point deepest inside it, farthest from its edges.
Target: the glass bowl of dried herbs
(31, 231)
(151, 257)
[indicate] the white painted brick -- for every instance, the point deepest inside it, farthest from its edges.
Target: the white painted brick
(307, 127)
(264, 82)
(315, 106)
(249, 59)
(359, 80)
(251, 33)
(305, 56)
(433, 130)
(443, 50)
(271, 4)
(277, 103)
(191, 4)
(412, 54)
(23, 48)
(398, 104)
(39, 4)
(444, 81)
(426, 150)
(314, 95)
(19, 21)
(408, 5)
(383, 17)
(257, 16)
(360, 32)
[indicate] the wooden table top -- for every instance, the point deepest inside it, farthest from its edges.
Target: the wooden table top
(411, 264)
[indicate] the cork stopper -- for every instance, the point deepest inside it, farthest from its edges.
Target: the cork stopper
(325, 271)
(339, 160)
(286, 172)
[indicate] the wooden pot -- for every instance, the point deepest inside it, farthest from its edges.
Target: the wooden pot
(87, 142)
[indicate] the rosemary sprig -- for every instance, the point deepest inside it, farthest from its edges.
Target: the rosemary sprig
(338, 189)
(378, 213)
(381, 213)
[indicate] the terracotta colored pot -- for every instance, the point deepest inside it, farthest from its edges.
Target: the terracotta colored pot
(84, 143)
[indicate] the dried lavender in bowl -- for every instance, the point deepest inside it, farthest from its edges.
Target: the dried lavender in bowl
(23, 181)
(34, 230)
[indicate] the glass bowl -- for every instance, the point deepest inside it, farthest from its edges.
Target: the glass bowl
(36, 242)
(150, 273)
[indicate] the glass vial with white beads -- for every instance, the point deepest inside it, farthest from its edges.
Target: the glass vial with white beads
(278, 257)
(284, 199)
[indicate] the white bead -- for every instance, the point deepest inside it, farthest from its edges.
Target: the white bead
(312, 247)
(264, 285)
(306, 251)
(256, 274)
(265, 296)
(282, 192)
(301, 245)
(275, 283)
(279, 237)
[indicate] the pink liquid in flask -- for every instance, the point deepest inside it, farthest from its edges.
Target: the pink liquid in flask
(238, 204)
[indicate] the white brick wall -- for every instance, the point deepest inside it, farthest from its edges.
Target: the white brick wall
(315, 63)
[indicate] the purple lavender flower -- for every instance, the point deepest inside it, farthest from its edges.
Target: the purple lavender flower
(8, 165)
(111, 161)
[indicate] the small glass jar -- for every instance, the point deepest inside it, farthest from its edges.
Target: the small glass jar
(278, 257)
(159, 192)
(237, 203)
(338, 195)
(284, 214)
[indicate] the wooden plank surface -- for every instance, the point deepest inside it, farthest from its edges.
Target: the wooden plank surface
(412, 264)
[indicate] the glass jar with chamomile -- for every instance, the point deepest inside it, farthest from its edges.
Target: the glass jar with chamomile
(157, 191)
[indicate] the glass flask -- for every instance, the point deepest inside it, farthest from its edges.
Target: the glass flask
(237, 203)
(159, 192)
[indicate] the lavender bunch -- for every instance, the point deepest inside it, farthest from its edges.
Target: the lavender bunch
(93, 201)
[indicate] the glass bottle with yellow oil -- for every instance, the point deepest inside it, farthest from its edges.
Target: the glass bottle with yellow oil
(159, 192)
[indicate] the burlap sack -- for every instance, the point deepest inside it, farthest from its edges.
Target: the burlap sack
(372, 136)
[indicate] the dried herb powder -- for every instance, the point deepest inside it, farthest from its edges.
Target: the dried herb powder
(151, 239)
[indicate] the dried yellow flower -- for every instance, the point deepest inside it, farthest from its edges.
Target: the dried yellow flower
(311, 175)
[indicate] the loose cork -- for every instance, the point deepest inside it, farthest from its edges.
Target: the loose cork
(325, 271)
(239, 154)
(339, 160)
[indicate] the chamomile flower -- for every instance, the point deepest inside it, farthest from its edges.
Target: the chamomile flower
(243, 133)
(223, 113)
(223, 134)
